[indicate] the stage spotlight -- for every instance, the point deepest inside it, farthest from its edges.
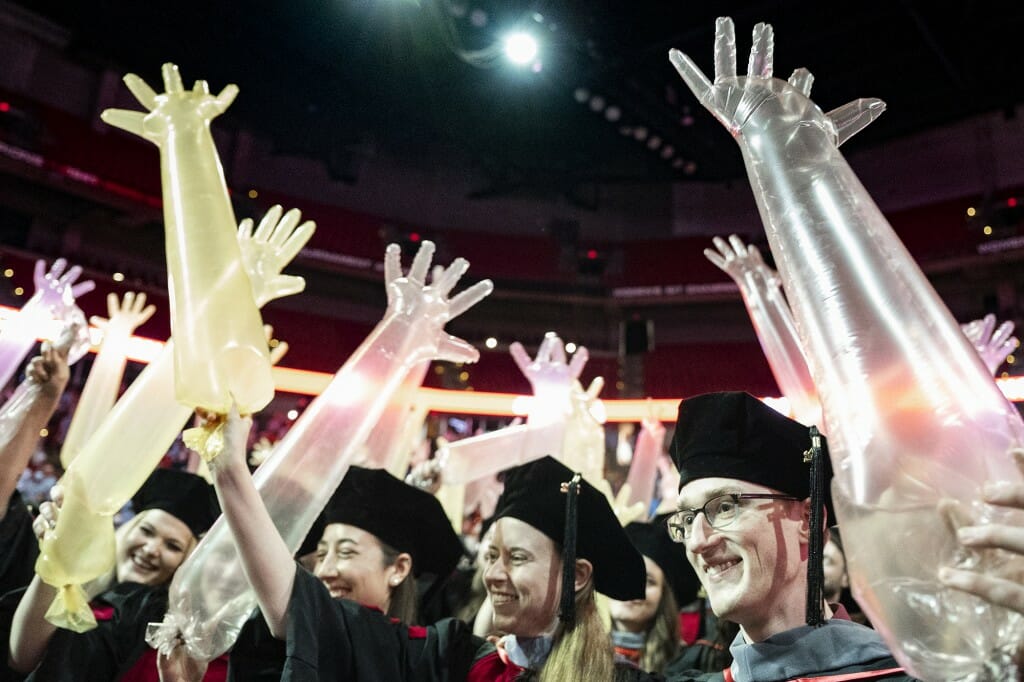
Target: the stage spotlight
(520, 48)
(491, 342)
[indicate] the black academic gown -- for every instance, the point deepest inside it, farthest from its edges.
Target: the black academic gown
(114, 646)
(336, 639)
(257, 656)
(19, 550)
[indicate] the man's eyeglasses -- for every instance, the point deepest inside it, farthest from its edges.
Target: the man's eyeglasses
(719, 511)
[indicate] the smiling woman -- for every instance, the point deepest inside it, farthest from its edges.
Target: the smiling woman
(546, 636)
(379, 535)
(646, 631)
(173, 509)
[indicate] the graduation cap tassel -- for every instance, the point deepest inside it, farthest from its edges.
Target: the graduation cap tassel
(816, 543)
(567, 607)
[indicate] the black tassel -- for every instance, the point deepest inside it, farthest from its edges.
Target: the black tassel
(567, 607)
(816, 542)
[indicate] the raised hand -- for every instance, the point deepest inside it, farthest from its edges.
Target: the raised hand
(266, 253)
(1003, 586)
(49, 369)
(56, 294)
(175, 108)
(736, 100)
(101, 388)
(549, 373)
(124, 316)
(178, 666)
(219, 354)
(49, 512)
(743, 263)
(992, 344)
(57, 290)
(54, 297)
(412, 301)
(583, 444)
(773, 321)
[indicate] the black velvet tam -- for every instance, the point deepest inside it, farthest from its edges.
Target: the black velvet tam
(405, 518)
(533, 494)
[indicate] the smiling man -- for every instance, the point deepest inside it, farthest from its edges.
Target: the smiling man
(744, 521)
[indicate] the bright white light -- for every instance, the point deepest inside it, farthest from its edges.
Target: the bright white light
(520, 48)
(570, 347)
(491, 342)
(293, 414)
(118, 276)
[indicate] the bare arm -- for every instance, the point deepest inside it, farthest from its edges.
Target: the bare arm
(30, 631)
(49, 374)
(266, 561)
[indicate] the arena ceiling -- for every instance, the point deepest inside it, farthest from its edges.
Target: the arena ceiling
(422, 81)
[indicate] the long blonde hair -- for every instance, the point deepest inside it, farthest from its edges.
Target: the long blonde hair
(583, 651)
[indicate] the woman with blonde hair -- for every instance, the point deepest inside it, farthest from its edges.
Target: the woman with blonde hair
(173, 510)
(548, 624)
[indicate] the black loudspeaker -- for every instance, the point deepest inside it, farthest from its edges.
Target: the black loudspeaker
(637, 337)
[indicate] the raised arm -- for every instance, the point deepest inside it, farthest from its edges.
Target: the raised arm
(20, 423)
(101, 388)
(309, 463)
(265, 558)
(773, 322)
(54, 297)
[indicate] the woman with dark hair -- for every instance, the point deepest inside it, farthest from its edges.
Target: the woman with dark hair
(173, 510)
(646, 631)
(542, 571)
(377, 535)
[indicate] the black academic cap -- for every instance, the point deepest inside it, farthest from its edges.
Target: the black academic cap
(533, 494)
(187, 497)
(312, 539)
(403, 517)
(735, 435)
(652, 540)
